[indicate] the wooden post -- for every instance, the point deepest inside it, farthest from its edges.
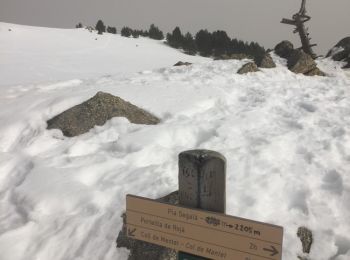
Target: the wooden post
(202, 184)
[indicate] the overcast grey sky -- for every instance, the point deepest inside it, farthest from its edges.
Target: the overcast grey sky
(250, 20)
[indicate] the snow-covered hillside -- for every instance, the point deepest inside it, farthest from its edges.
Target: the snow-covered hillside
(286, 138)
(37, 55)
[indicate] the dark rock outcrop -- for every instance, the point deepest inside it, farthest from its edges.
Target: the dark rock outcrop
(248, 67)
(264, 61)
(140, 250)
(297, 60)
(341, 52)
(181, 63)
(96, 111)
(284, 49)
(315, 72)
(347, 66)
(306, 239)
(303, 257)
(300, 62)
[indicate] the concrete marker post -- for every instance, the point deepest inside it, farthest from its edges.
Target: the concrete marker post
(202, 184)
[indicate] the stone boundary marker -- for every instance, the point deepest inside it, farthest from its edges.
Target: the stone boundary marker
(197, 228)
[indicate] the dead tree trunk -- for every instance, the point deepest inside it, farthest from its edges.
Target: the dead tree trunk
(298, 21)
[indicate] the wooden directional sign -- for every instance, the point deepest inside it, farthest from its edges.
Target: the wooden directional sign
(203, 233)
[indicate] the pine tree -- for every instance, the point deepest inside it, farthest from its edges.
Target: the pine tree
(176, 38)
(126, 31)
(241, 47)
(217, 43)
(155, 33)
(144, 33)
(234, 46)
(204, 42)
(220, 43)
(252, 49)
(136, 33)
(100, 27)
(79, 25)
(255, 50)
(111, 30)
(189, 44)
(169, 39)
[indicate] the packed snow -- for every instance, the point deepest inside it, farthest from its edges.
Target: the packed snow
(286, 138)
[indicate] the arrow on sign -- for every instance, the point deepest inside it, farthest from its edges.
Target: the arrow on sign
(273, 250)
(131, 232)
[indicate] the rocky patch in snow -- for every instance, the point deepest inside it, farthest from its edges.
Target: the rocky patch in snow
(341, 51)
(143, 250)
(248, 67)
(96, 111)
(284, 49)
(181, 63)
(265, 61)
(306, 239)
(301, 62)
(297, 60)
(315, 72)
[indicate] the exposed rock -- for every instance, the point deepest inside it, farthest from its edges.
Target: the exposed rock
(140, 250)
(303, 257)
(96, 111)
(222, 57)
(248, 67)
(300, 62)
(234, 56)
(341, 52)
(347, 66)
(284, 49)
(265, 61)
(240, 56)
(315, 72)
(180, 63)
(305, 236)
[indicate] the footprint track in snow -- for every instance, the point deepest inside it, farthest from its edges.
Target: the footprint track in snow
(308, 107)
(333, 182)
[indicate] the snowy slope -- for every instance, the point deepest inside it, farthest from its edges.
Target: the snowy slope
(286, 138)
(35, 54)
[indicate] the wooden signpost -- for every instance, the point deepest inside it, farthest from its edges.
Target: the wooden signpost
(197, 228)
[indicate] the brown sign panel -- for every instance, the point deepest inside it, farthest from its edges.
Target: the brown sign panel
(203, 233)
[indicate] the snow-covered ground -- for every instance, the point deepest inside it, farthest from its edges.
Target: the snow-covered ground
(38, 55)
(286, 139)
